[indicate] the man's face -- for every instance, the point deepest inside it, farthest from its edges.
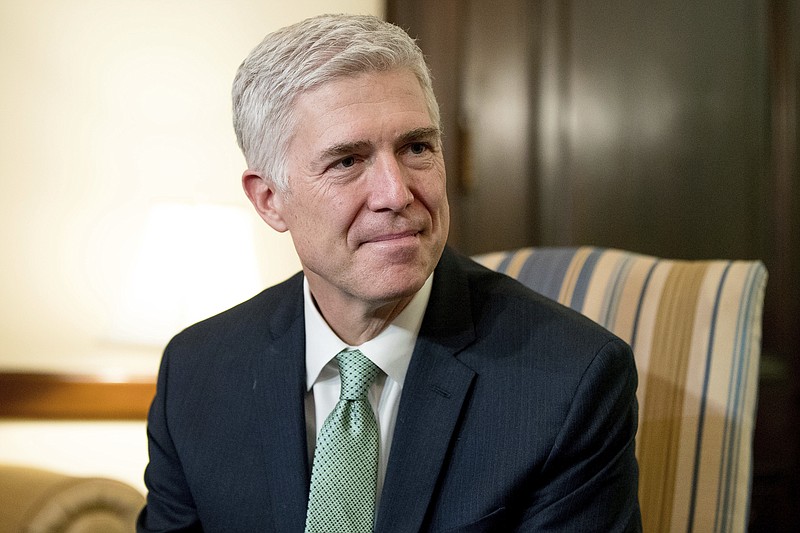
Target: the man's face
(366, 204)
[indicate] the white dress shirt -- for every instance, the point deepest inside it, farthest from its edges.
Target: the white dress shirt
(390, 351)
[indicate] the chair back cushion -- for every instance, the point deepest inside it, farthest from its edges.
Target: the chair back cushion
(695, 330)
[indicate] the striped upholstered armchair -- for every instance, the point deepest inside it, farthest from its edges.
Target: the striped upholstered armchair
(695, 329)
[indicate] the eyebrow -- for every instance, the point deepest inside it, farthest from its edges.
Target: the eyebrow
(347, 148)
(344, 149)
(418, 134)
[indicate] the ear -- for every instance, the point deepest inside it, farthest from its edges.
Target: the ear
(267, 200)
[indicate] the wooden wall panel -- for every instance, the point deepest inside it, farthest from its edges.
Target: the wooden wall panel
(667, 128)
(74, 397)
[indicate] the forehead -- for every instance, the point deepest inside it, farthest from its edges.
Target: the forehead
(361, 106)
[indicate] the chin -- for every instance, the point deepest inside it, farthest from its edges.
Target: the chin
(393, 291)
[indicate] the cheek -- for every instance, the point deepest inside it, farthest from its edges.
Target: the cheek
(341, 209)
(433, 189)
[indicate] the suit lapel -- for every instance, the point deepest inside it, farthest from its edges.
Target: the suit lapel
(436, 387)
(434, 392)
(279, 392)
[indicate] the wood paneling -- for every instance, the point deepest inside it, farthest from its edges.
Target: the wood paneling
(667, 128)
(486, 78)
(74, 397)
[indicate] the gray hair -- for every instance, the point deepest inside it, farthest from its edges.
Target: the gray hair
(304, 56)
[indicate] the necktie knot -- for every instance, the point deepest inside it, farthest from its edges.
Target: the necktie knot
(357, 374)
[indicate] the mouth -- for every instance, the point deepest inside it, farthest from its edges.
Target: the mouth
(391, 237)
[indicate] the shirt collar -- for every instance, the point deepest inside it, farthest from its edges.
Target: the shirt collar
(391, 350)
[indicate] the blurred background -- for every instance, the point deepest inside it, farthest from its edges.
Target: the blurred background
(667, 128)
(122, 215)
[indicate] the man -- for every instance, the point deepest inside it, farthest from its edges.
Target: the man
(493, 409)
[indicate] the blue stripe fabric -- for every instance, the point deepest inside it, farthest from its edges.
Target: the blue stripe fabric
(503, 266)
(608, 311)
(544, 270)
(756, 275)
(582, 284)
(641, 302)
(703, 403)
(737, 387)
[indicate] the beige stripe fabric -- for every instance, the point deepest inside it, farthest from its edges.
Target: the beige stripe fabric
(517, 262)
(695, 329)
(662, 407)
(571, 277)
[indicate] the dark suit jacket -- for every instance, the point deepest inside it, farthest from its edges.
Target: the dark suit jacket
(516, 415)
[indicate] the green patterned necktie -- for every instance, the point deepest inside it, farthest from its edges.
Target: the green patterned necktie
(345, 473)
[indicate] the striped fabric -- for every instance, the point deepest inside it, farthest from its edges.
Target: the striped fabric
(695, 329)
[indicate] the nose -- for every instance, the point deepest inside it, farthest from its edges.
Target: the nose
(389, 186)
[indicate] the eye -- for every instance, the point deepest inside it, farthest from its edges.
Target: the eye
(347, 162)
(417, 148)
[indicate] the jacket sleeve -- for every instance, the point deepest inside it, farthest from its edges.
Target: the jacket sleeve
(591, 475)
(169, 501)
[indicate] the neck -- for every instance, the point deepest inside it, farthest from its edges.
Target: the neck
(357, 322)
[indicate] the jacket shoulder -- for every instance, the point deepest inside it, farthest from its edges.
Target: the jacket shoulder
(269, 312)
(507, 312)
